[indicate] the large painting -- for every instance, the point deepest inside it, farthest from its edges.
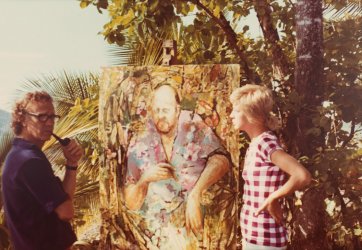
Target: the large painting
(169, 177)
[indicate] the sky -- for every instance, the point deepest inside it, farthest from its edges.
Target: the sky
(42, 37)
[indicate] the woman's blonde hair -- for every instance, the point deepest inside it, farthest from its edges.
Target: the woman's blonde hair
(257, 103)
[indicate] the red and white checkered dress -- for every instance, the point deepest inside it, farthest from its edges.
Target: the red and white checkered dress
(262, 178)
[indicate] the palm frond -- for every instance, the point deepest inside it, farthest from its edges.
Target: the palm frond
(81, 122)
(146, 52)
(64, 87)
(5, 144)
(120, 55)
(81, 194)
(352, 9)
(88, 212)
(150, 53)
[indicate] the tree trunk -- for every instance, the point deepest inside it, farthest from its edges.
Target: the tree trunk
(309, 222)
(309, 68)
(308, 81)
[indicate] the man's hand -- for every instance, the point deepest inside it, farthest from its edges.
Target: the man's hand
(72, 152)
(161, 171)
(194, 217)
(273, 207)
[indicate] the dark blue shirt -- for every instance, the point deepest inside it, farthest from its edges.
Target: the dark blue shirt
(31, 192)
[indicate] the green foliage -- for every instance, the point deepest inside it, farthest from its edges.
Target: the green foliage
(5, 144)
(337, 172)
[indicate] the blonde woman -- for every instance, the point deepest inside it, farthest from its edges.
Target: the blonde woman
(265, 170)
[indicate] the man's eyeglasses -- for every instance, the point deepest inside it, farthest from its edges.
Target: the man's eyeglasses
(43, 117)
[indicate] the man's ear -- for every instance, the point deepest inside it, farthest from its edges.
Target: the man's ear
(23, 123)
(22, 117)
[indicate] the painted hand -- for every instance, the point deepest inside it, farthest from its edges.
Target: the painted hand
(161, 171)
(194, 217)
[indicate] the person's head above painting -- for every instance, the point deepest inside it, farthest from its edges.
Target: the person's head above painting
(169, 165)
(37, 204)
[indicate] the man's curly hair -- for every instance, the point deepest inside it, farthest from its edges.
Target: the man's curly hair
(18, 114)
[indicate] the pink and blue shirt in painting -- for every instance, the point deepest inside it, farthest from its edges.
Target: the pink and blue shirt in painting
(194, 143)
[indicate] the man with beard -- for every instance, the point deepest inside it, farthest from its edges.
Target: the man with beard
(37, 204)
(169, 166)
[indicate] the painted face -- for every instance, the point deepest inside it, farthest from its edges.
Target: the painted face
(239, 119)
(39, 122)
(165, 110)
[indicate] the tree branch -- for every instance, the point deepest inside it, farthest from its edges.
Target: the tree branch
(282, 66)
(291, 3)
(230, 36)
(351, 134)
